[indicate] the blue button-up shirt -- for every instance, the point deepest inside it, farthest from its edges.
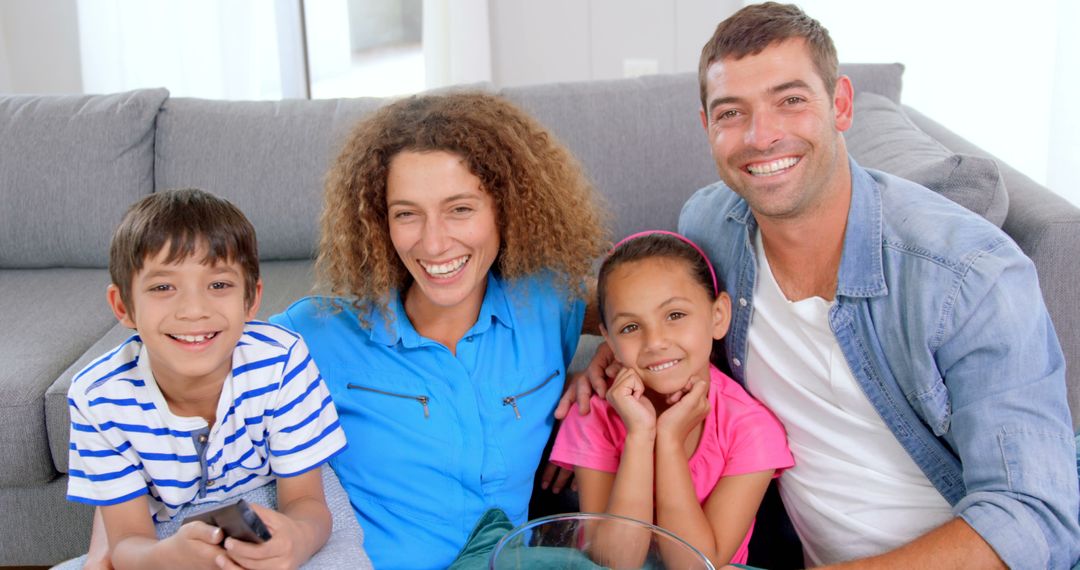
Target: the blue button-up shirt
(940, 317)
(436, 439)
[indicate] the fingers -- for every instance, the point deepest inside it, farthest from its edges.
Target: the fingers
(198, 530)
(584, 393)
(563, 476)
(548, 475)
(565, 402)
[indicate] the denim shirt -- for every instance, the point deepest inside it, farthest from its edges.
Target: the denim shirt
(941, 319)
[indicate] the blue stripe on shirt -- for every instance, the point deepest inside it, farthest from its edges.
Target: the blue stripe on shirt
(79, 473)
(282, 452)
(296, 370)
(121, 402)
(263, 338)
(96, 363)
(105, 503)
(243, 368)
(300, 398)
(311, 417)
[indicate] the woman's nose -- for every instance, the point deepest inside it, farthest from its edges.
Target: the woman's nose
(435, 239)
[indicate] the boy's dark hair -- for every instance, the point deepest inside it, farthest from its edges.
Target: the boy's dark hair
(650, 246)
(182, 220)
(757, 26)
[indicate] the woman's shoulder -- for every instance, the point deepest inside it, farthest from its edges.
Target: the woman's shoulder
(316, 313)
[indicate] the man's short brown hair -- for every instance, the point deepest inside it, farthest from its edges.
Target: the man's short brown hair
(182, 220)
(757, 26)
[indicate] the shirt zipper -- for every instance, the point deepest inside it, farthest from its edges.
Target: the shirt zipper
(422, 399)
(512, 400)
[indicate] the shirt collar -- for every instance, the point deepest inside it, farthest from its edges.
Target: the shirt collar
(398, 328)
(862, 271)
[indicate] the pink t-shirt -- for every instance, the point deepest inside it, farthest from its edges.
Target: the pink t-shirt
(740, 436)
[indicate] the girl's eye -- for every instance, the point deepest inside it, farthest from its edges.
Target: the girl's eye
(628, 329)
(675, 315)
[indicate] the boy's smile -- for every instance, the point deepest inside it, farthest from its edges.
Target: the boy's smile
(190, 317)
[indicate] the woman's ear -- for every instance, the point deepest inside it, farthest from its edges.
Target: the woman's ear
(123, 313)
(721, 315)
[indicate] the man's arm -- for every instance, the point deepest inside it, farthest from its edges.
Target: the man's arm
(952, 545)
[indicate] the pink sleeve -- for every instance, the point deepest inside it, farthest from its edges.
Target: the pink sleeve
(757, 440)
(593, 441)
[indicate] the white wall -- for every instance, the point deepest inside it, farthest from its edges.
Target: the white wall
(986, 70)
(39, 47)
(576, 40)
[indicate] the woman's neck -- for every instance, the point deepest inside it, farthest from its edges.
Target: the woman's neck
(444, 325)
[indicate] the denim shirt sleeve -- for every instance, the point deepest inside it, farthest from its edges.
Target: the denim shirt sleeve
(1010, 425)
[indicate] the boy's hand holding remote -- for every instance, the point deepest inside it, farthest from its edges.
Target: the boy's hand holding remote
(201, 405)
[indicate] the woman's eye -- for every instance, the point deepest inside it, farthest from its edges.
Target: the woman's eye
(462, 210)
(402, 215)
(628, 329)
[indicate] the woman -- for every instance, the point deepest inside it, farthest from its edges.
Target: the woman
(456, 237)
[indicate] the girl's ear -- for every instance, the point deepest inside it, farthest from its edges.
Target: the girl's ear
(721, 315)
(116, 302)
(603, 332)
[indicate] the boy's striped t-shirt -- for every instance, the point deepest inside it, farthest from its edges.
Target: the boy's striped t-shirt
(274, 419)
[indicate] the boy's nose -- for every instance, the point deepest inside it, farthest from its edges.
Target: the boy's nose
(191, 306)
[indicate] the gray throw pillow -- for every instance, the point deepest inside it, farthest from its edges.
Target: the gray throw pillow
(69, 167)
(884, 138)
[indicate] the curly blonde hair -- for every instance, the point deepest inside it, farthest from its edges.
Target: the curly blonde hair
(548, 215)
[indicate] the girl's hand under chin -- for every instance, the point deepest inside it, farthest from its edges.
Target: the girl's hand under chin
(627, 396)
(691, 405)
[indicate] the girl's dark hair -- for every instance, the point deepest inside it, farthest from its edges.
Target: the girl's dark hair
(656, 245)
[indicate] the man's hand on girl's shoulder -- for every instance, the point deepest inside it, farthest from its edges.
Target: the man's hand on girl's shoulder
(594, 379)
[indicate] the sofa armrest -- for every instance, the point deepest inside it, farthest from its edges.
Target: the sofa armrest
(1047, 227)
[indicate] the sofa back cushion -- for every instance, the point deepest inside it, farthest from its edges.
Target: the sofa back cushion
(883, 137)
(69, 167)
(267, 157)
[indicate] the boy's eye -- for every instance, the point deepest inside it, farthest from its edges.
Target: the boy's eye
(628, 328)
(218, 285)
(159, 288)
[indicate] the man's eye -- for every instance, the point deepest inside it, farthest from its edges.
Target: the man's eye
(729, 114)
(794, 100)
(628, 329)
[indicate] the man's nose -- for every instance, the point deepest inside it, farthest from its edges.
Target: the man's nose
(765, 130)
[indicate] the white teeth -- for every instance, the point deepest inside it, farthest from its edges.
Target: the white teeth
(664, 366)
(193, 338)
(772, 167)
(443, 269)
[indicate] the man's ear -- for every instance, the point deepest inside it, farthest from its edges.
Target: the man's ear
(844, 103)
(123, 313)
(704, 119)
(256, 300)
(721, 315)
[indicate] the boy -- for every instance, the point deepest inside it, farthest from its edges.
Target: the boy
(202, 404)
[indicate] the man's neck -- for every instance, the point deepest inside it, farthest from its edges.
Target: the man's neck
(804, 252)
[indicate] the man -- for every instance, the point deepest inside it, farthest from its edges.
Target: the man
(901, 339)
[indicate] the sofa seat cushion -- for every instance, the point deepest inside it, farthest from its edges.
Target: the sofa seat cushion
(51, 316)
(883, 137)
(283, 283)
(69, 167)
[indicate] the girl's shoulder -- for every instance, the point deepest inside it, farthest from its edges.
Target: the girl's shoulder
(729, 396)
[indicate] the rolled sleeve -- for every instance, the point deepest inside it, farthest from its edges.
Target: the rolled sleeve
(1010, 423)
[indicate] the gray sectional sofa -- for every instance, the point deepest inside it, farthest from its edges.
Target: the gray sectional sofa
(69, 165)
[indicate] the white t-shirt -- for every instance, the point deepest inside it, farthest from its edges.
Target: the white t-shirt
(854, 491)
(275, 419)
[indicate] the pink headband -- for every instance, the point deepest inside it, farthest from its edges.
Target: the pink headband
(680, 237)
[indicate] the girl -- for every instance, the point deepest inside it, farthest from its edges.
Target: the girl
(672, 423)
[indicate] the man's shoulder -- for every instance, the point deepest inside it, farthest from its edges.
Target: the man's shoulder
(919, 221)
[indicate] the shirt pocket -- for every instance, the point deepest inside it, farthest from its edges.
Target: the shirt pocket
(530, 391)
(931, 403)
